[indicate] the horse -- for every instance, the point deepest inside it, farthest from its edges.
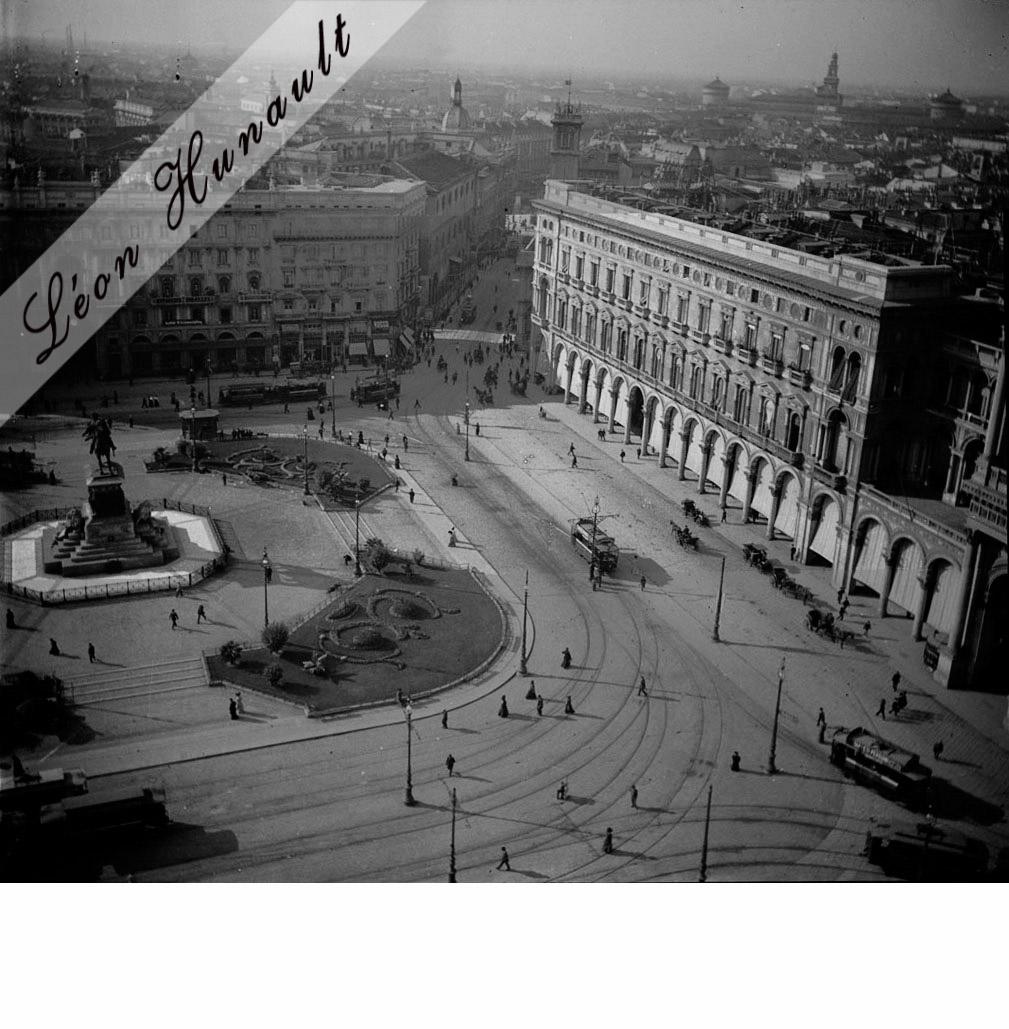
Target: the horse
(102, 446)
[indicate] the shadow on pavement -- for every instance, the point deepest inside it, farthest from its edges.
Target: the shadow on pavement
(949, 801)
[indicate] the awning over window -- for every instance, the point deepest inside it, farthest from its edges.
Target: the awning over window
(357, 349)
(406, 341)
(380, 347)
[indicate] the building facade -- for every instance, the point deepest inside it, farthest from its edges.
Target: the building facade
(782, 383)
(307, 274)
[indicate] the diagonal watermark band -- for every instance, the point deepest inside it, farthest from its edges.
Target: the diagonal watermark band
(167, 195)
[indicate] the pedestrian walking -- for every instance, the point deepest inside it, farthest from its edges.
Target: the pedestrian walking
(866, 627)
(937, 750)
(725, 515)
(406, 442)
(178, 591)
(201, 614)
(642, 689)
(233, 709)
(54, 649)
(634, 796)
(882, 709)
(574, 460)
(840, 596)
(895, 681)
(239, 703)
(539, 705)
(639, 453)
(821, 718)
(569, 708)
(174, 617)
(502, 711)
(444, 719)
(531, 692)
(822, 733)
(571, 449)
(224, 479)
(608, 842)
(565, 658)
(11, 623)
(450, 764)
(644, 581)
(623, 454)
(411, 495)
(504, 862)
(91, 653)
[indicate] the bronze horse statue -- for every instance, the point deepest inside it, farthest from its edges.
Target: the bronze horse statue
(99, 432)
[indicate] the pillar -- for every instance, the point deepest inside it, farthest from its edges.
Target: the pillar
(775, 504)
(723, 493)
(627, 421)
(301, 343)
(665, 443)
(583, 394)
(595, 406)
(925, 581)
(567, 385)
(613, 410)
(681, 471)
(891, 571)
(705, 461)
(751, 485)
(967, 580)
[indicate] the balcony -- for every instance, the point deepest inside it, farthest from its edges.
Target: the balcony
(988, 499)
(827, 473)
(771, 364)
(800, 377)
(163, 301)
(258, 296)
(623, 304)
(723, 346)
(661, 320)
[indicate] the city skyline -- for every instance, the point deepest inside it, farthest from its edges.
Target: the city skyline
(964, 46)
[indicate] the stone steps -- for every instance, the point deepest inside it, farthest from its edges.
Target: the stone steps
(122, 683)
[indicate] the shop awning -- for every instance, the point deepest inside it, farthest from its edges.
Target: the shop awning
(357, 349)
(406, 339)
(380, 347)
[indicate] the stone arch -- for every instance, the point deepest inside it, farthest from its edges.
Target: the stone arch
(788, 494)
(990, 655)
(691, 437)
(762, 477)
(835, 441)
(972, 450)
(941, 576)
(586, 398)
(907, 567)
(652, 439)
(737, 459)
(825, 516)
(544, 298)
(714, 446)
(635, 411)
(618, 400)
(871, 548)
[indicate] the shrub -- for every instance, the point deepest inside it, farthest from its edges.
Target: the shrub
(275, 636)
(231, 652)
(377, 553)
(364, 485)
(274, 674)
(418, 557)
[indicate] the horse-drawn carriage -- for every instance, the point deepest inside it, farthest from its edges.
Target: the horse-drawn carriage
(683, 535)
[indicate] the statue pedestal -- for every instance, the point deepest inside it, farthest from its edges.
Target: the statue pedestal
(110, 539)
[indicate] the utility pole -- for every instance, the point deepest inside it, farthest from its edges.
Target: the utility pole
(332, 402)
(525, 607)
(703, 878)
(357, 538)
(771, 769)
(192, 433)
(718, 604)
(306, 459)
(408, 800)
(451, 852)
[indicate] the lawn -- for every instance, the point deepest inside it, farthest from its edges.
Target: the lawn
(383, 634)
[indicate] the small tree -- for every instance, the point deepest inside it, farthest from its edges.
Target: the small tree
(231, 652)
(275, 636)
(274, 674)
(377, 553)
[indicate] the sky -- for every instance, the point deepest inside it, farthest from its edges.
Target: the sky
(916, 46)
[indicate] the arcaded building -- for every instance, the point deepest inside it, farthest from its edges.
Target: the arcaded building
(805, 393)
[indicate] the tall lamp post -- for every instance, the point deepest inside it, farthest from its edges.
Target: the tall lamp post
(467, 430)
(408, 714)
(703, 877)
(451, 852)
(267, 576)
(332, 401)
(718, 603)
(306, 459)
(357, 538)
(525, 607)
(192, 433)
(209, 369)
(771, 768)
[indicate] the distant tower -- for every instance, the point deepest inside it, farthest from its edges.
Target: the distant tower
(564, 154)
(828, 92)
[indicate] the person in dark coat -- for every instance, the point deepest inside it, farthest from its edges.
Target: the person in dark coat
(634, 796)
(539, 705)
(569, 708)
(531, 692)
(444, 719)
(735, 761)
(504, 862)
(821, 718)
(233, 709)
(937, 751)
(565, 658)
(450, 764)
(174, 617)
(54, 647)
(11, 624)
(642, 689)
(881, 712)
(91, 653)
(503, 709)
(608, 842)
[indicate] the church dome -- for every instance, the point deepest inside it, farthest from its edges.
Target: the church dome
(456, 118)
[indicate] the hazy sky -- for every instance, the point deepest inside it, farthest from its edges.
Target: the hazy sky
(915, 45)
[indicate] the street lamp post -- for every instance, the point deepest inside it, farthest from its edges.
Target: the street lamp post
(357, 538)
(408, 713)
(267, 575)
(703, 877)
(306, 459)
(718, 603)
(771, 769)
(467, 430)
(192, 433)
(525, 607)
(451, 852)
(332, 401)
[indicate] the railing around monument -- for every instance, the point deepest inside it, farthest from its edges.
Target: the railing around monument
(48, 514)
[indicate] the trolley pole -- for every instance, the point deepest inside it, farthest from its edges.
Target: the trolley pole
(451, 852)
(718, 603)
(703, 877)
(525, 608)
(771, 769)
